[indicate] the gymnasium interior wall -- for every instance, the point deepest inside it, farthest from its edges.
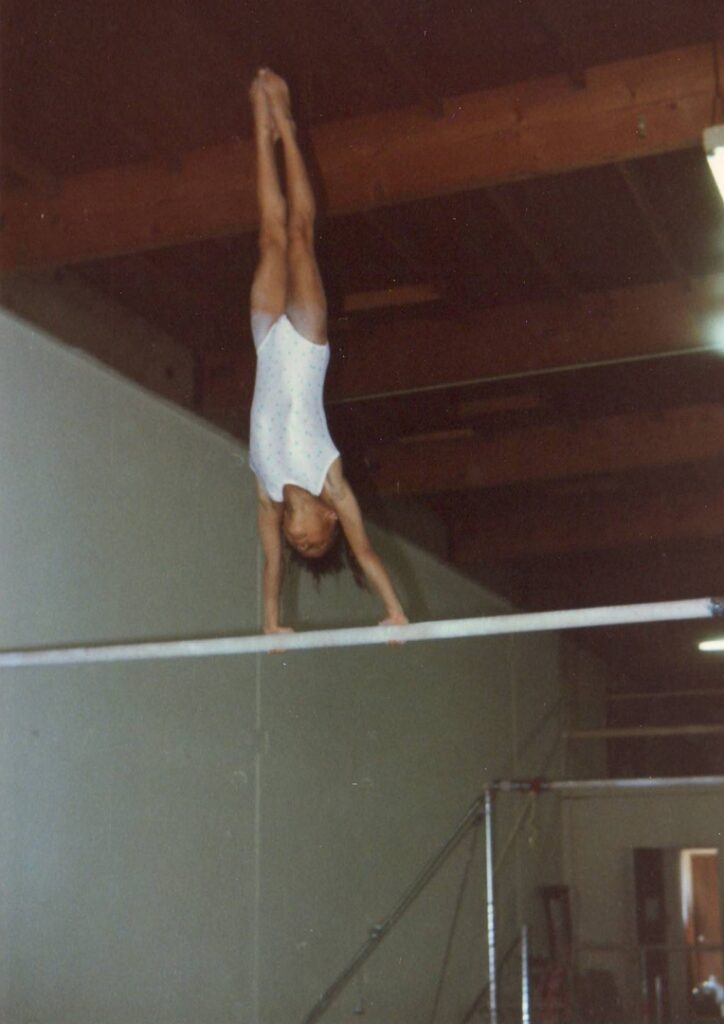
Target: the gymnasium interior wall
(211, 840)
(599, 868)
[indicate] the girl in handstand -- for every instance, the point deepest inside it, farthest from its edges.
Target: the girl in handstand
(303, 495)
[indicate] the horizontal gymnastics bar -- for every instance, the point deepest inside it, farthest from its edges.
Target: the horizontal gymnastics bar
(587, 785)
(492, 625)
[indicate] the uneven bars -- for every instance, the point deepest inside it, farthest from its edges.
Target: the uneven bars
(493, 625)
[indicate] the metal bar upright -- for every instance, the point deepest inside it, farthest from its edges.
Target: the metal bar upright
(524, 976)
(490, 906)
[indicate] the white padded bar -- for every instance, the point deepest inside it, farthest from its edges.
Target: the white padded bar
(493, 625)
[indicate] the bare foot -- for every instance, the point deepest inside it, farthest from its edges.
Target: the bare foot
(277, 92)
(261, 108)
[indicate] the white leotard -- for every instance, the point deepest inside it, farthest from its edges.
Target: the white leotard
(289, 440)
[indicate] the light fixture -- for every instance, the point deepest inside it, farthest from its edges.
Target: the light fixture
(712, 645)
(714, 149)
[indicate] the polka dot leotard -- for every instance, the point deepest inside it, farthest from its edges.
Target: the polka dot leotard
(289, 438)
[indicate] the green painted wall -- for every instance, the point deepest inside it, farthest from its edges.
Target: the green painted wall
(210, 841)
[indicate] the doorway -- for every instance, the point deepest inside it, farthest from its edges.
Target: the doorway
(679, 932)
(701, 921)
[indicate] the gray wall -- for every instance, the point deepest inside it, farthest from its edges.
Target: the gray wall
(210, 841)
(127, 791)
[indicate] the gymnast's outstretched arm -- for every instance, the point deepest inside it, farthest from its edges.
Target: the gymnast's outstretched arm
(350, 519)
(269, 518)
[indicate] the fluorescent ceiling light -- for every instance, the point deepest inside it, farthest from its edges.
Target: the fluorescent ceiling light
(714, 149)
(712, 645)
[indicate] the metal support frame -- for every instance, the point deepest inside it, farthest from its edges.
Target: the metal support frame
(583, 785)
(380, 931)
(539, 786)
(524, 977)
(481, 811)
(490, 907)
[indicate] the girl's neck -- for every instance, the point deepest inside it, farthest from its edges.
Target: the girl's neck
(295, 497)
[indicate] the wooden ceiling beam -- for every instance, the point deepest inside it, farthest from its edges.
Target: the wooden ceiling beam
(409, 250)
(415, 353)
(631, 575)
(28, 169)
(396, 52)
(516, 221)
(179, 306)
(557, 525)
(629, 109)
(385, 298)
(552, 28)
(611, 444)
(518, 340)
(653, 223)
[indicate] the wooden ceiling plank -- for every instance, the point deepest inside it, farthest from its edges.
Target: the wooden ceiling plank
(652, 220)
(612, 444)
(629, 109)
(508, 532)
(407, 249)
(634, 575)
(647, 321)
(385, 298)
(552, 29)
(29, 169)
(396, 52)
(142, 288)
(531, 243)
(516, 340)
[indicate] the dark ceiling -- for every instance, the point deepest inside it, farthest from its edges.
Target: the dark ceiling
(522, 345)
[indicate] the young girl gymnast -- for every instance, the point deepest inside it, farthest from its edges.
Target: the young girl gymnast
(303, 496)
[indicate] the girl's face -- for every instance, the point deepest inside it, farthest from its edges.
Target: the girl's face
(310, 528)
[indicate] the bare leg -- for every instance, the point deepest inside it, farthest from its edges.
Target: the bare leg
(269, 287)
(306, 302)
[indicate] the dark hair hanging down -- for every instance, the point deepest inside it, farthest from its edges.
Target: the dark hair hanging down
(338, 556)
